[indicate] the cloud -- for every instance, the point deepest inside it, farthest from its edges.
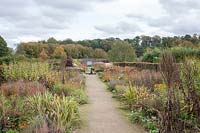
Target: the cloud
(179, 7)
(182, 16)
(23, 20)
(179, 17)
(39, 18)
(119, 28)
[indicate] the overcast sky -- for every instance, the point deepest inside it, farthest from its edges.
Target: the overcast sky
(31, 20)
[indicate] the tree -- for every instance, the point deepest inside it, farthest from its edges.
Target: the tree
(51, 40)
(121, 51)
(152, 55)
(59, 52)
(100, 53)
(67, 41)
(31, 49)
(4, 50)
(187, 37)
(43, 55)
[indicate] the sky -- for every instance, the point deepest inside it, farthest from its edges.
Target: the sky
(33, 20)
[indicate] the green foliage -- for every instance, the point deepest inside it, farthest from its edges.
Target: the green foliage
(5, 53)
(18, 58)
(99, 53)
(139, 43)
(6, 59)
(104, 44)
(130, 95)
(190, 119)
(4, 50)
(12, 112)
(55, 50)
(140, 117)
(152, 56)
(26, 102)
(25, 71)
(190, 77)
(121, 51)
(60, 112)
(80, 96)
(62, 89)
(52, 40)
(12, 131)
(69, 90)
(32, 49)
(180, 53)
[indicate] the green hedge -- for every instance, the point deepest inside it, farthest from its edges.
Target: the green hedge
(180, 53)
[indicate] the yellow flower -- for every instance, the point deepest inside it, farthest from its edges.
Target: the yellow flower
(23, 124)
(160, 86)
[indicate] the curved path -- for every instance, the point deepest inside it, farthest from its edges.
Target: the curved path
(103, 115)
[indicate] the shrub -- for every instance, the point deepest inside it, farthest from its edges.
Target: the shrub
(139, 116)
(113, 83)
(49, 80)
(152, 56)
(145, 78)
(170, 119)
(135, 96)
(19, 57)
(61, 113)
(22, 88)
(106, 76)
(12, 112)
(12, 131)
(80, 96)
(190, 87)
(119, 91)
(6, 59)
(31, 71)
(62, 89)
(190, 121)
(180, 53)
(130, 96)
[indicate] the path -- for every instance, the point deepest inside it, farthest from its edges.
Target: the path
(103, 115)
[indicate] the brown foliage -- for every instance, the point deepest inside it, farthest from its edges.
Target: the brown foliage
(43, 55)
(22, 88)
(190, 75)
(170, 117)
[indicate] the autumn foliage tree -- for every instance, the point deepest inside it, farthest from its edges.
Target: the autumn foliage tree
(59, 52)
(99, 53)
(43, 55)
(31, 49)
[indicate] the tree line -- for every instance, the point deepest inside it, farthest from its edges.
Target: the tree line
(139, 48)
(51, 50)
(139, 43)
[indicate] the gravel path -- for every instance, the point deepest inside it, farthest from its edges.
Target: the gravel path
(102, 113)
